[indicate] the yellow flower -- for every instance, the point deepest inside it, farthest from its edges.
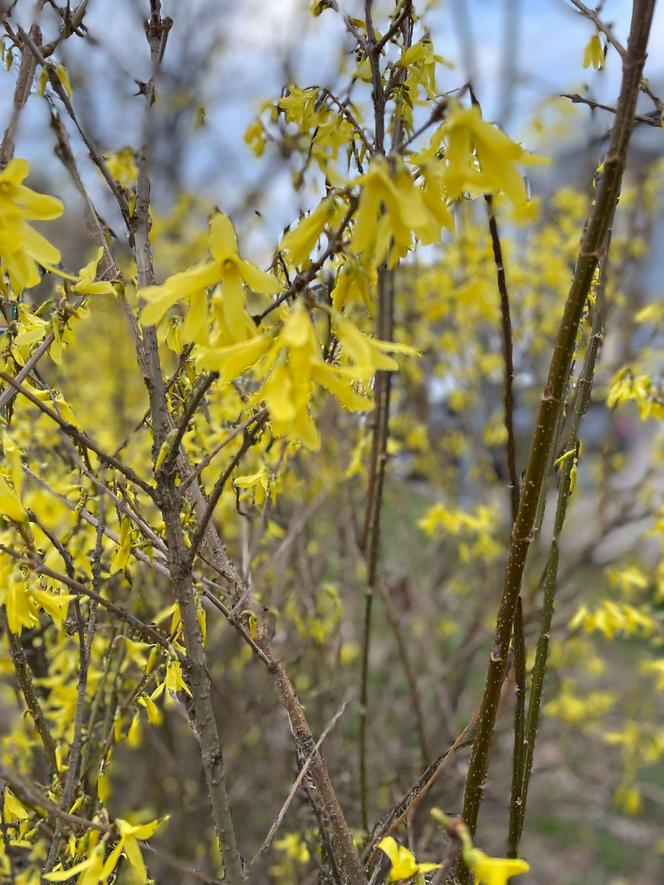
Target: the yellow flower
(13, 810)
(287, 390)
(435, 199)
(593, 54)
(155, 716)
(299, 241)
(122, 166)
(54, 604)
(234, 359)
(174, 681)
(492, 870)
(228, 269)
(352, 285)
(89, 870)
(10, 503)
(404, 865)
(21, 247)
(405, 211)
(128, 844)
(88, 284)
(481, 158)
(246, 482)
(368, 355)
(297, 366)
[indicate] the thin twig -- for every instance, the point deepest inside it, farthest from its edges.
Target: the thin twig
(38, 566)
(202, 387)
(652, 119)
(414, 796)
(78, 436)
(303, 279)
(250, 438)
(296, 786)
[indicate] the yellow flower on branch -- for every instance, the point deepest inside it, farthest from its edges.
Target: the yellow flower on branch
(21, 247)
(368, 355)
(227, 269)
(88, 284)
(297, 366)
(492, 870)
(593, 54)
(352, 285)
(287, 390)
(405, 211)
(130, 835)
(54, 604)
(89, 870)
(299, 241)
(13, 810)
(122, 166)
(10, 503)
(481, 158)
(404, 865)
(234, 359)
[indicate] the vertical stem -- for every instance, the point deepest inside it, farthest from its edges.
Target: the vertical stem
(597, 225)
(371, 540)
(521, 776)
(85, 638)
(508, 358)
(168, 500)
(30, 695)
(518, 639)
(383, 386)
(409, 672)
(26, 74)
(371, 535)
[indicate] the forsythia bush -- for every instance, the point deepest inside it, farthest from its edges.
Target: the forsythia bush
(256, 501)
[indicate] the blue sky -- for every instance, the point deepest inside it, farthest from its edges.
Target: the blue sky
(246, 68)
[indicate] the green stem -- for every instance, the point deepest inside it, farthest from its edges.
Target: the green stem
(597, 225)
(521, 775)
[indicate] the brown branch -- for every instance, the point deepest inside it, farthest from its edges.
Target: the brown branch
(168, 500)
(519, 639)
(200, 467)
(296, 786)
(414, 796)
(33, 798)
(85, 635)
(26, 76)
(26, 685)
(202, 387)
(508, 358)
(250, 437)
(593, 16)
(395, 27)
(148, 632)
(370, 541)
(95, 156)
(652, 119)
